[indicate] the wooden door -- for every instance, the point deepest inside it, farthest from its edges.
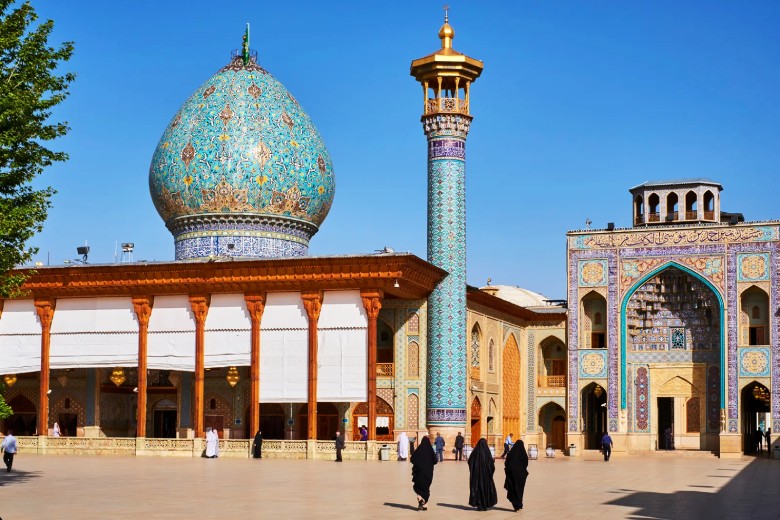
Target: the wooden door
(558, 433)
(216, 422)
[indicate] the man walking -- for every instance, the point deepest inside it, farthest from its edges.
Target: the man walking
(606, 446)
(459, 447)
(439, 443)
(340, 444)
(508, 443)
(9, 450)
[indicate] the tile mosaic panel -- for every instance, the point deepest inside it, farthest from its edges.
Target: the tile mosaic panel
(682, 238)
(593, 273)
(752, 267)
(754, 362)
(593, 364)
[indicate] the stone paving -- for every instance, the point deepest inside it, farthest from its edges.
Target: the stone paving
(156, 488)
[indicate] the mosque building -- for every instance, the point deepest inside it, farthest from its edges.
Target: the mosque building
(671, 326)
(245, 331)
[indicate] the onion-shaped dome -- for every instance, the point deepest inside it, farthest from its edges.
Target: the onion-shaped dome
(241, 170)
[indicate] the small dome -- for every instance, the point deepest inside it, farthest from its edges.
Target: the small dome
(446, 31)
(241, 170)
(517, 295)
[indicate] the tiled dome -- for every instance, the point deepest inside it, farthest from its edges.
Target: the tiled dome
(241, 170)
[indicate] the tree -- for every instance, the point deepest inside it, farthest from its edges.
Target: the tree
(29, 89)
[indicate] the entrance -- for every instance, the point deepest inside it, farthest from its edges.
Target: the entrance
(552, 419)
(24, 419)
(476, 421)
(216, 422)
(67, 422)
(665, 420)
(594, 415)
(165, 424)
(755, 414)
(271, 421)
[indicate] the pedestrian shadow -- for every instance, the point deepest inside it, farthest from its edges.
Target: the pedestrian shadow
(471, 508)
(401, 506)
(17, 477)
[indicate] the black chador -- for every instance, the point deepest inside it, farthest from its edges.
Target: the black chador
(423, 459)
(257, 445)
(516, 469)
(482, 490)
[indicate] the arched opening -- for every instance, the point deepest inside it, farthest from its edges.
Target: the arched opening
(594, 328)
(164, 419)
(754, 308)
(672, 207)
(510, 383)
(476, 421)
(691, 206)
(653, 203)
(709, 205)
(385, 351)
(476, 341)
(66, 416)
(328, 422)
(552, 369)
(594, 415)
(385, 420)
(552, 419)
(674, 314)
(755, 401)
(639, 210)
(24, 419)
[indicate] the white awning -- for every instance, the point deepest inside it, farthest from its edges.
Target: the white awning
(20, 338)
(171, 339)
(228, 332)
(284, 311)
(90, 315)
(284, 370)
(341, 310)
(342, 372)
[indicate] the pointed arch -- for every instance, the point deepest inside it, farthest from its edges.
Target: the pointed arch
(476, 342)
(623, 328)
(510, 383)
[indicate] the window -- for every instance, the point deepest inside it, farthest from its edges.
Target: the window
(491, 356)
(475, 337)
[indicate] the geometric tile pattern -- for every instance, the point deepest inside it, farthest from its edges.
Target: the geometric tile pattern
(593, 364)
(754, 362)
(447, 361)
(753, 267)
(593, 273)
(642, 400)
(713, 399)
(241, 144)
(531, 383)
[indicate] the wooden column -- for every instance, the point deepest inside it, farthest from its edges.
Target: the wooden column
(45, 310)
(143, 311)
(312, 302)
(255, 304)
(200, 309)
(372, 301)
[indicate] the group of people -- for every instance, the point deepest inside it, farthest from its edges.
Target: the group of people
(762, 436)
(482, 489)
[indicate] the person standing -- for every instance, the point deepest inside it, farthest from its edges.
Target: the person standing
(423, 460)
(56, 430)
(439, 443)
(340, 444)
(9, 450)
(459, 447)
(363, 433)
(482, 489)
(257, 445)
(403, 446)
(759, 438)
(606, 446)
(508, 443)
(212, 443)
(516, 469)
(768, 443)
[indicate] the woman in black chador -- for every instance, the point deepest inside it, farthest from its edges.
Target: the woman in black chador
(516, 469)
(482, 490)
(257, 445)
(423, 459)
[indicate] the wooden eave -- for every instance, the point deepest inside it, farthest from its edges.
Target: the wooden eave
(499, 304)
(416, 278)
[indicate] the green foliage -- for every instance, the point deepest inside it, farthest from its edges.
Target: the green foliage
(5, 410)
(29, 89)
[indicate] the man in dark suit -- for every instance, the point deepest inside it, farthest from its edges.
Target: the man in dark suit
(339, 445)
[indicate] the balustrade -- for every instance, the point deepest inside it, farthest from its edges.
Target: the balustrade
(385, 369)
(552, 381)
(450, 105)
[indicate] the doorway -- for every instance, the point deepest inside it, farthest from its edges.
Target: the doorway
(665, 420)
(68, 423)
(164, 424)
(594, 415)
(216, 423)
(25, 417)
(756, 400)
(476, 421)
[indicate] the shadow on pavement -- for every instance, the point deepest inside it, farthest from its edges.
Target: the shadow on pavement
(401, 506)
(17, 477)
(752, 493)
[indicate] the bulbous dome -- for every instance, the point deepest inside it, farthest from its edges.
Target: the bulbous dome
(241, 170)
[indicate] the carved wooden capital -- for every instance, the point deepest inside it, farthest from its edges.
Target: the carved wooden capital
(312, 302)
(143, 308)
(255, 304)
(45, 310)
(200, 307)
(372, 301)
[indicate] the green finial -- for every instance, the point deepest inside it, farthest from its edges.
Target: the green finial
(245, 47)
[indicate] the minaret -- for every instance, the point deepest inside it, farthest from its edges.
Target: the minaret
(446, 77)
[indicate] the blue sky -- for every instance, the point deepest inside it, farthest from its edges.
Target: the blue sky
(578, 102)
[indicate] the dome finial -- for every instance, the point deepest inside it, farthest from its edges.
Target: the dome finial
(245, 46)
(446, 33)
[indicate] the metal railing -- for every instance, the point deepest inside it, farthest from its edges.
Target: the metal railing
(451, 105)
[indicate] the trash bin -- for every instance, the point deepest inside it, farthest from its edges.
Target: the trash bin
(776, 452)
(572, 450)
(384, 452)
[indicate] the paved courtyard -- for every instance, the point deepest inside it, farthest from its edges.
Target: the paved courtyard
(660, 487)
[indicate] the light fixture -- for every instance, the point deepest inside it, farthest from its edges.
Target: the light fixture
(760, 393)
(63, 379)
(175, 379)
(396, 284)
(135, 390)
(9, 379)
(118, 376)
(48, 392)
(84, 252)
(233, 376)
(598, 391)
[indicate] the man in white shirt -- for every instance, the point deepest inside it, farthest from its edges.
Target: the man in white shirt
(508, 443)
(9, 450)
